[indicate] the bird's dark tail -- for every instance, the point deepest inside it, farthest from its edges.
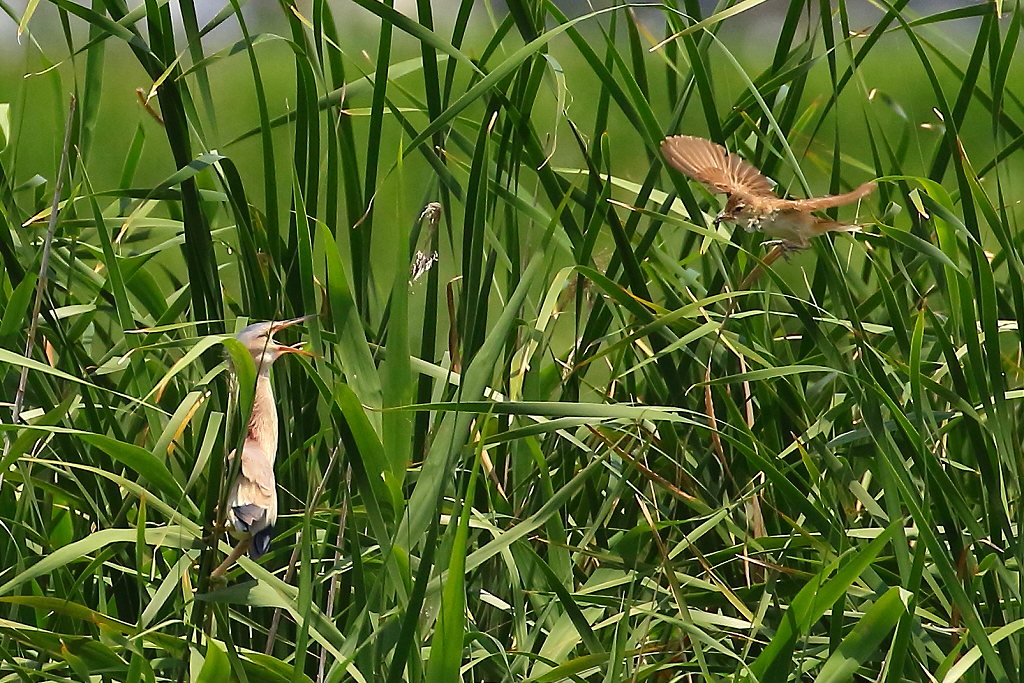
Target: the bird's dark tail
(261, 542)
(248, 516)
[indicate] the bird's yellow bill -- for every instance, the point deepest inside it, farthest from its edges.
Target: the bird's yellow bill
(297, 349)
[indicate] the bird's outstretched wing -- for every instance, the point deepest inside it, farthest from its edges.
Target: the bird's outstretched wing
(712, 165)
(253, 498)
(828, 201)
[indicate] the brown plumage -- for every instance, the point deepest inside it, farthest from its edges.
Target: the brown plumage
(752, 201)
(252, 498)
(252, 501)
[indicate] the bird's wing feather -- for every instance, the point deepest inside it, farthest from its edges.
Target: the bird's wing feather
(828, 201)
(249, 514)
(257, 467)
(712, 165)
(253, 497)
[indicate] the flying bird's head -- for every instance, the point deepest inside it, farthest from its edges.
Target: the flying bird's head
(258, 339)
(740, 210)
(720, 171)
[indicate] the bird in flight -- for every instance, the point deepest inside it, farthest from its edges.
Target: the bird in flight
(752, 201)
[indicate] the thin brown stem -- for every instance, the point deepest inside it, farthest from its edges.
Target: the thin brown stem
(709, 405)
(44, 267)
(293, 560)
(333, 589)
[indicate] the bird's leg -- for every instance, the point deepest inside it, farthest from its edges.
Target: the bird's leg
(796, 245)
(236, 552)
(784, 245)
(785, 248)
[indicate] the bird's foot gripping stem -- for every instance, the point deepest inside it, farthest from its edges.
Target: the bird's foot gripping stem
(785, 248)
(236, 552)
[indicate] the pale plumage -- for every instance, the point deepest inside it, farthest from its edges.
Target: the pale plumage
(752, 201)
(252, 501)
(252, 498)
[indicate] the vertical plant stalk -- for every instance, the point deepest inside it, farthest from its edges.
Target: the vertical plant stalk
(294, 559)
(44, 266)
(332, 591)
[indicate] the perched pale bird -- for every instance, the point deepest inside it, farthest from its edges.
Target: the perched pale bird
(752, 201)
(252, 499)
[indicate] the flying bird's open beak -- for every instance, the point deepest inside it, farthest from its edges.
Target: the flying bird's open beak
(284, 324)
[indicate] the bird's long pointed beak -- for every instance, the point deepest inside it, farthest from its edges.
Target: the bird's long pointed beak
(295, 348)
(284, 324)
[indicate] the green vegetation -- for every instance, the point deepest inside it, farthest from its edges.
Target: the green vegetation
(575, 449)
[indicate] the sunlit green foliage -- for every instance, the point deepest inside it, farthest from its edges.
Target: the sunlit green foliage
(590, 443)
